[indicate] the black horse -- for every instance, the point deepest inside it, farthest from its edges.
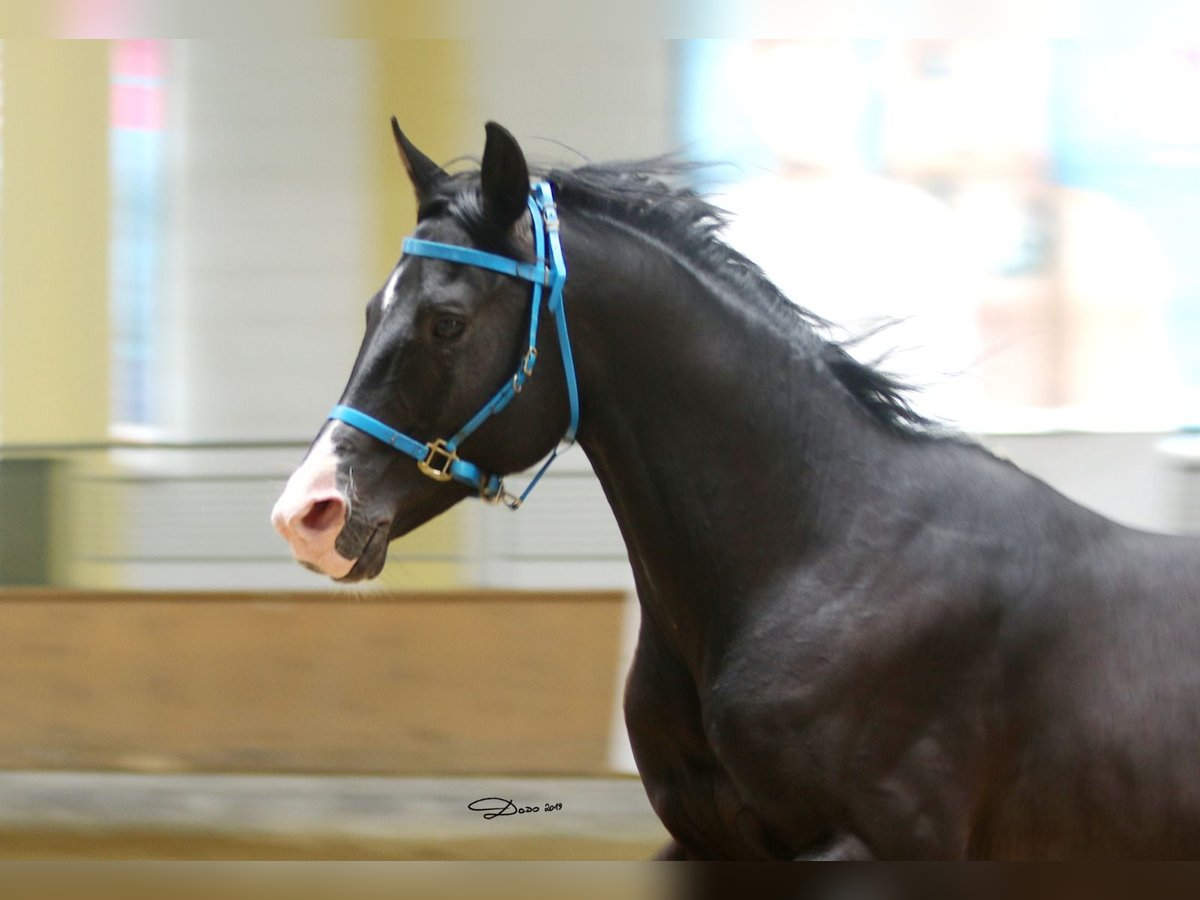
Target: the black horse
(861, 636)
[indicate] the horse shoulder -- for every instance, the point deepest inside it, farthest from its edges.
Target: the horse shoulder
(872, 737)
(688, 786)
(865, 689)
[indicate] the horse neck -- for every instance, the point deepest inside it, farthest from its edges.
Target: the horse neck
(722, 441)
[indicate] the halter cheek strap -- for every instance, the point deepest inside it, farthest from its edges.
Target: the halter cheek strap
(439, 459)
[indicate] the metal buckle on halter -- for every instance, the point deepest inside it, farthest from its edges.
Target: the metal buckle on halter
(502, 497)
(438, 471)
(526, 369)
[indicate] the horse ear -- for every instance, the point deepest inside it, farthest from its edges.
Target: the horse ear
(422, 171)
(505, 177)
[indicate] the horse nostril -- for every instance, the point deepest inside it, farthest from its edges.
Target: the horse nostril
(323, 515)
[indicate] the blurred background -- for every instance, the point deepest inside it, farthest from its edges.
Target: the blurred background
(189, 231)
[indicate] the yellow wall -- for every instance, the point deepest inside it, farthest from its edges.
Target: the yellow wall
(421, 84)
(54, 242)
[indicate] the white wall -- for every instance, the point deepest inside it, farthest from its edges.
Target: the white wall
(264, 282)
(267, 211)
(605, 99)
(1125, 476)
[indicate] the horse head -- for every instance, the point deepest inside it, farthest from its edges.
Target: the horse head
(441, 339)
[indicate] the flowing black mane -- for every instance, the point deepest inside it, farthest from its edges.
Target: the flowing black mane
(652, 196)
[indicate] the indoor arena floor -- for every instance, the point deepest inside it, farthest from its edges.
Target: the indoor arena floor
(91, 816)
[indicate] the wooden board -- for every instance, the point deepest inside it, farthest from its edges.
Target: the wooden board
(438, 683)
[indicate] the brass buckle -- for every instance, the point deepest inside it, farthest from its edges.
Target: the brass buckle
(435, 470)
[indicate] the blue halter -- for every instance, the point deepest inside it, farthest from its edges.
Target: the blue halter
(439, 458)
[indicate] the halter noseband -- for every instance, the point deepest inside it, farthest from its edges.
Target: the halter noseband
(439, 459)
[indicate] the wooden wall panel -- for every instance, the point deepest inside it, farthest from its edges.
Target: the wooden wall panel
(438, 683)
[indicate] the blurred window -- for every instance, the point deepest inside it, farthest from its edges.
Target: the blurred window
(1024, 208)
(137, 139)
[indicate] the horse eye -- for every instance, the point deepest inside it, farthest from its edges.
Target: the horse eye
(448, 328)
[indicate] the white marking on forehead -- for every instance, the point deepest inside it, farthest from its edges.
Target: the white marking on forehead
(389, 292)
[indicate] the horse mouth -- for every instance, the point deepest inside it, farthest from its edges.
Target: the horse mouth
(370, 556)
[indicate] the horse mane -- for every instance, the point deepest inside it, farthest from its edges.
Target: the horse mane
(653, 197)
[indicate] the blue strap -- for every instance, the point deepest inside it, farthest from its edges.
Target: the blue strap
(558, 279)
(471, 257)
(379, 431)
(536, 478)
(459, 469)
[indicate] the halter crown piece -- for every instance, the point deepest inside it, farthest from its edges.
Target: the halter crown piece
(439, 459)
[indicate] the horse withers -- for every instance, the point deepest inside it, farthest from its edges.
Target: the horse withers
(862, 636)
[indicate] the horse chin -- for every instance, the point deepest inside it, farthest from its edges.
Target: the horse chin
(365, 537)
(369, 561)
(331, 565)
